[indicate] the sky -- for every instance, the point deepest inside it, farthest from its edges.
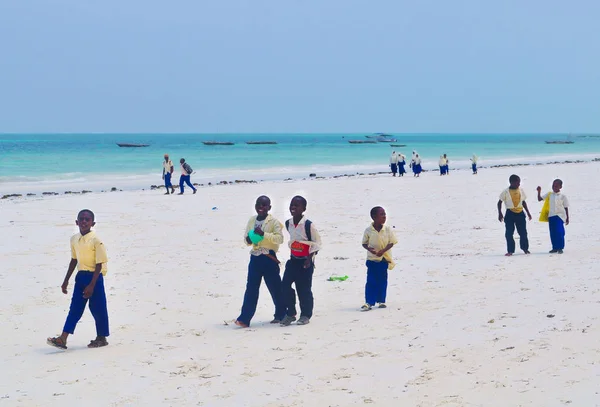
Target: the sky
(299, 66)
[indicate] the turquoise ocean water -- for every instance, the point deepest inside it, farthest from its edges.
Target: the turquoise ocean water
(34, 162)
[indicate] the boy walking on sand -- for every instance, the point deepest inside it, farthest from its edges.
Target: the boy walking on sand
(378, 240)
(89, 254)
(514, 199)
(263, 233)
(558, 216)
(167, 173)
(186, 172)
(304, 243)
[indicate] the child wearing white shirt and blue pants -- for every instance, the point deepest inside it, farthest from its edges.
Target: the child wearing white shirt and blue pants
(558, 215)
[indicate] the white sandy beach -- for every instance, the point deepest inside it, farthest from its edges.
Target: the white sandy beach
(465, 326)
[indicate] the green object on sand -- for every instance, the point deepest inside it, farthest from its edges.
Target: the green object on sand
(337, 278)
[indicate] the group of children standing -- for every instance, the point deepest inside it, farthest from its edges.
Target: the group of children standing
(397, 163)
(264, 234)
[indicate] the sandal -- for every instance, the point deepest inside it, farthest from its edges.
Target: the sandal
(57, 342)
(97, 343)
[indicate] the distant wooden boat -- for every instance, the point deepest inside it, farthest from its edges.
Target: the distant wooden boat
(382, 137)
(397, 145)
(362, 141)
(132, 145)
(261, 142)
(560, 142)
(218, 143)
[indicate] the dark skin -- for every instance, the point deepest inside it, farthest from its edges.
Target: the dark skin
(556, 187)
(379, 219)
(297, 209)
(85, 223)
(262, 208)
(515, 184)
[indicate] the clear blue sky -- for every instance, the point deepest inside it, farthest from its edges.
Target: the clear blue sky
(299, 66)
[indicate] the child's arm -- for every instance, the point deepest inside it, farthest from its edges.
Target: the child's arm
(500, 217)
(70, 270)
(385, 249)
(247, 230)
(274, 237)
(526, 210)
(567, 212)
(369, 249)
(539, 191)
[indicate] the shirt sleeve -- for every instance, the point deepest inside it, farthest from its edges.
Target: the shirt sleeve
(365, 238)
(316, 244)
(502, 196)
(277, 235)
(101, 256)
(523, 195)
(246, 231)
(546, 195)
(392, 237)
(565, 202)
(73, 252)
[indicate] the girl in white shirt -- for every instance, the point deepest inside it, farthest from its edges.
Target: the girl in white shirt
(558, 216)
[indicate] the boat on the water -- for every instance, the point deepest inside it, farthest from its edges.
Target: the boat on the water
(560, 142)
(382, 137)
(218, 143)
(362, 141)
(397, 145)
(132, 145)
(261, 142)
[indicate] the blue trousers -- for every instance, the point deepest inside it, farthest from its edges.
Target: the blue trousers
(168, 181)
(97, 304)
(511, 221)
(296, 273)
(557, 232)
(262, 267)
(474, 167)
(186, 179)
(394, 168)
(376, 287)
(401, 169)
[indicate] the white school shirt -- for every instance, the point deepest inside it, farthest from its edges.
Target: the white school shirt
(558, 204)
(507, 199)
(167, 166)
(394, 159)
(298, 234)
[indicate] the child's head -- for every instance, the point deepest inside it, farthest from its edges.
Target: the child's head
(557, 185)
(85, 220)
(515, 181)
(166, 157)
(182, 160)
(297, 205)
(262, 206)
(378, 215)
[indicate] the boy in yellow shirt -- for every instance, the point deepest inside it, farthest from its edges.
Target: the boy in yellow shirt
(264, 234)
(89, 254)
(514, 199)
(378, 239)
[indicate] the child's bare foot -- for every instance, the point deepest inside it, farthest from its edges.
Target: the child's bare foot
(240, 324)
(508, 254)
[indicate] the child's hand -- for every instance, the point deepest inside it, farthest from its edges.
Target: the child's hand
(370, 249)
(539, 189)
(88, 291)
(529, 216)
(380, 253)
(567, 221)
(259, 231)
(64, 286)
(500, 217)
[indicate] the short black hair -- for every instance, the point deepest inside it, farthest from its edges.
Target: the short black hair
(301, 199)
(86, 211)
(514, 178)
(558, 180)
(374, 211)
(260, 198)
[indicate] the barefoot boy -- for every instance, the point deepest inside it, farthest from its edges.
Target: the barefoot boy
(89, 255)
(558, 216)
(304, 243)
(514, 199)
(263, 233)
(378, 239)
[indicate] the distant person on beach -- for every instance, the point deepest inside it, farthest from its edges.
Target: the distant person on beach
(442, 164)
(263, 233)
(558, 215)
(394, 163)
(474, 160)
(416, 165)
(378, 239)
(304, 244)
(514, 199)
(186, 172)
(446, 165)
(167, 173)
(89, 255)
(401, 164)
